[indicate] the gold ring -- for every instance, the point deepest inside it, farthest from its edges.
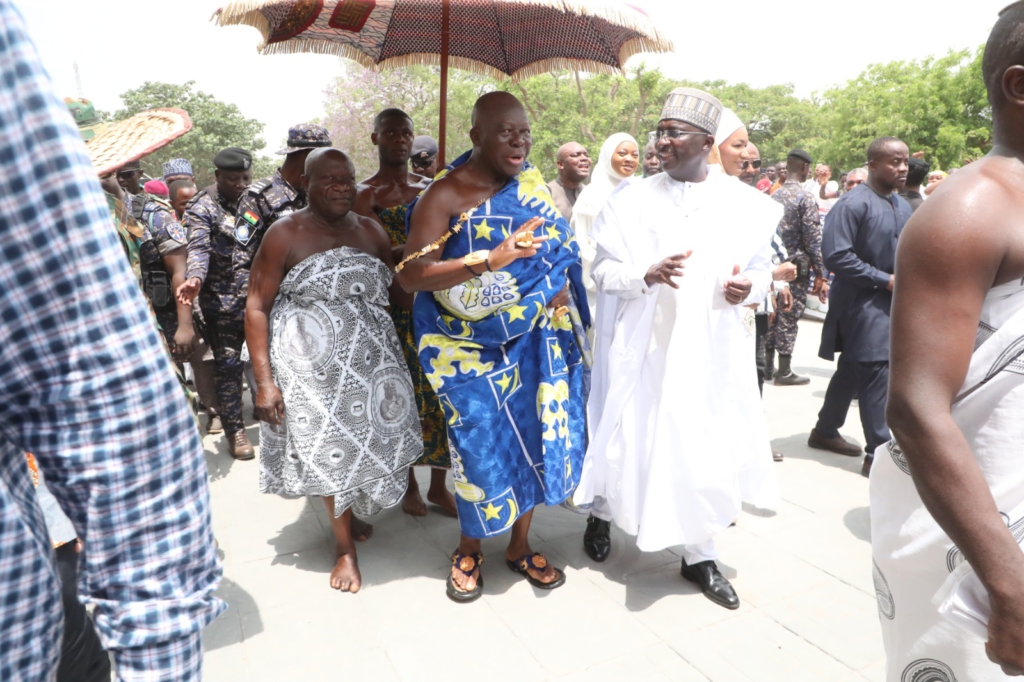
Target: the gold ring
(562, 311)
(524, 240)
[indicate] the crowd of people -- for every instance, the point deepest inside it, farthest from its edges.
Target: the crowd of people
(590, 342)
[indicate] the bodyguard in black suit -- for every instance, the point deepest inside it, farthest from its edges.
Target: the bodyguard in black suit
(859, 246)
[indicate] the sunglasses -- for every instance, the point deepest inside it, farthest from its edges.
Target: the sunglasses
(756, 163)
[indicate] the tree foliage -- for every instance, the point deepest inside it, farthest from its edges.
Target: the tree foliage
(938, 106)
(216, 125)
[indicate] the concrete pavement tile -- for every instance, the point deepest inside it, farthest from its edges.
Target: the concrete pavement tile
(301, 577)
(764, 574)
(876, 671)
(830, 546)
(657, 662)
(428, 637)
(760, 523)
(666, 603)
(224, 664)
(840, 620)
(316, 635)
(754, 648)
(255, 541)
(597, 629)
(550, 523)
(388, 556)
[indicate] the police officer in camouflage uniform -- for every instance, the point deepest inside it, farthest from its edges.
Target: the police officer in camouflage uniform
(210, 219)
(272, 198)
(162, 259)
(800, 230)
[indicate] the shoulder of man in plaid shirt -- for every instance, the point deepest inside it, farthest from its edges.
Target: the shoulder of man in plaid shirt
(86, 386)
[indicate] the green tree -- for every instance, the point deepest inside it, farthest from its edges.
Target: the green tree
(216, 125)
(937, 106)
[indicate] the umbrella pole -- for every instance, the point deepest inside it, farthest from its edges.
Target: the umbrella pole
(442, 132)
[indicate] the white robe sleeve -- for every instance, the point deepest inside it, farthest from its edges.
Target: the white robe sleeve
(616, 278)
(759, 272)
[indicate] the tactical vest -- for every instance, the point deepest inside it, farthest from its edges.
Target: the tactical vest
(156, 283)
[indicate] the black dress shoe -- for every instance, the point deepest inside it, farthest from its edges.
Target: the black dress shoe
(712, 583)
(597, 540)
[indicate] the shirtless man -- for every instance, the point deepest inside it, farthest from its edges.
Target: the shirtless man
(496, 481)
(383, 197)
(955, 480)
(303, 465)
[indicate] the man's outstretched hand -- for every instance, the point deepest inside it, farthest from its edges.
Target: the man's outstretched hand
(737, 287)
(188, 291)
(663, 272)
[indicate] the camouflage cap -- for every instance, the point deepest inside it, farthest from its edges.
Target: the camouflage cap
(306, 136)
(176, 167)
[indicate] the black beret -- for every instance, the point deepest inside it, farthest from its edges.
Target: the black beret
(233, 159)
(800, 154)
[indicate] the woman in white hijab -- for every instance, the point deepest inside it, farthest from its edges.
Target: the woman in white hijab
(618, 160)
(730, 151)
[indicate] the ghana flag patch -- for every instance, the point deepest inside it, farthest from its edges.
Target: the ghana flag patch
(251, 217)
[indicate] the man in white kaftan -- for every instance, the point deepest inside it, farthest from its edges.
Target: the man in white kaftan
(678, 437)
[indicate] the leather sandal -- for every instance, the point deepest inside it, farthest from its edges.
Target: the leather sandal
(467, 563)
(537, 562)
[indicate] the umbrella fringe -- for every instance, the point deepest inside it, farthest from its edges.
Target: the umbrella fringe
(246, 12)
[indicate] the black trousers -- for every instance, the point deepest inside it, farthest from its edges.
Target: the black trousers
(82, 656)
(869, 383)
(761, 331)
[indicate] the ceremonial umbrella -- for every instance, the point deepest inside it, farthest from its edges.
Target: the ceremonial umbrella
(133, 138)
(516, 38)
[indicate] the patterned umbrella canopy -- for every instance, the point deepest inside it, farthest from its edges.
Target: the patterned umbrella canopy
(516, 38)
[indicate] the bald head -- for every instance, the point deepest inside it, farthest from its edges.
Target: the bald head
(317, 158)
(1004, 50)
(496, 105)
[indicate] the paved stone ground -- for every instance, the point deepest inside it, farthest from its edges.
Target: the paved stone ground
(803, 576)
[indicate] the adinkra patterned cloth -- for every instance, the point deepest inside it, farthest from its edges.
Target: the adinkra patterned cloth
(351, 428)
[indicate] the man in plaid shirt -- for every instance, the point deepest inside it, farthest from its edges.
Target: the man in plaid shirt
(86, 386)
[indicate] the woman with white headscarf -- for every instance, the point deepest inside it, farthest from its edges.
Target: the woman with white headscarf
(618, 160)
(730, 151)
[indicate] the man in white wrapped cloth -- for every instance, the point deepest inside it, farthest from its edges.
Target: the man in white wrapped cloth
(332, 387)
(678, 436)
(947, 493)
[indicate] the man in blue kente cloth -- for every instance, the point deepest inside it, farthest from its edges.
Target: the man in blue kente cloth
(500, 323)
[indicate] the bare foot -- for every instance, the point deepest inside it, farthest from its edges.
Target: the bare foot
(361, 530)
(444, 499)
(412, 503)
(345, 576)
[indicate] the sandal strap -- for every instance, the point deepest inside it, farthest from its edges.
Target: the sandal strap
(526, 562)
(458, 556)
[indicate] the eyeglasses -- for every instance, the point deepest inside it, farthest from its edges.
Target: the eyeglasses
(671, 133)
(756, 163)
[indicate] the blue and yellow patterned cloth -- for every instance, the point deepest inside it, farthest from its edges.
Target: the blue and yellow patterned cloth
(509, 374)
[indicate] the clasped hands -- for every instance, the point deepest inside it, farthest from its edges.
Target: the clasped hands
(736, 288)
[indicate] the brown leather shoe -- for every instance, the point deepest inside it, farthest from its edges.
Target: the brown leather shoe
(239, 446)
(865, 470)
(838, 445)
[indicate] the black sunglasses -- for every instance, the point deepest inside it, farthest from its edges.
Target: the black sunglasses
(756, 163)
